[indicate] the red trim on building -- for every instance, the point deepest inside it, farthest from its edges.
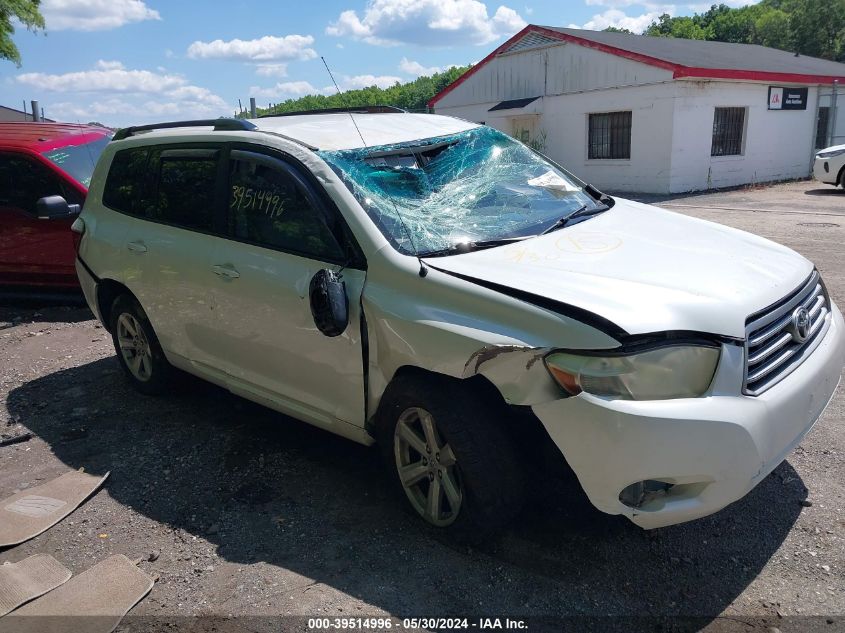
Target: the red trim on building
(755, 75)
(472, 70)
(679, 71)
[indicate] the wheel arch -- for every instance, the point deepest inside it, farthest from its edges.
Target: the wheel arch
(107, 291)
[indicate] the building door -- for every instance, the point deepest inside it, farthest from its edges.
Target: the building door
(524, 129)
(830, 117)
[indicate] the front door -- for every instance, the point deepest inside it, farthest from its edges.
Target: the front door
(32, 251)
(281, 232)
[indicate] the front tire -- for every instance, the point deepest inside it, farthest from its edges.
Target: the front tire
(450, 456)
(138, 350)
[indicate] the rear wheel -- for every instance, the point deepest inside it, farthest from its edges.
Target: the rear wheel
(137, 347)
(450, 456)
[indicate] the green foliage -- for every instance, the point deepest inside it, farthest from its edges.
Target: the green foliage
(412, 96)
(26, 11)
(808, 27)
(613, 29)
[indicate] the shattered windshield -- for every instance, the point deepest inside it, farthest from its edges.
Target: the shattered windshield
(477, 186)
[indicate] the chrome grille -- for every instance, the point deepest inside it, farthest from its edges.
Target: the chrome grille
(772, 348)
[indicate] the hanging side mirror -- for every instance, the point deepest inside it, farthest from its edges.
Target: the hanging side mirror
(329, 304)
(55, 208)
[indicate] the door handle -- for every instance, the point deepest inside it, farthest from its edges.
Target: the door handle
(225, 271)
(137, 247)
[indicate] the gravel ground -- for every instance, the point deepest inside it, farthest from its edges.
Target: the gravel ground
(240, 511)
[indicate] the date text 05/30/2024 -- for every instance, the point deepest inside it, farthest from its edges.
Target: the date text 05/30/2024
(382, 624)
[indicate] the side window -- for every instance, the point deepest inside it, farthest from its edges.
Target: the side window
(267, 206)
(186, 184)
(124, 190)
(23, 182)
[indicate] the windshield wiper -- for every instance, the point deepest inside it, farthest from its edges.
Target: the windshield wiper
(467, 247)
(583, 212)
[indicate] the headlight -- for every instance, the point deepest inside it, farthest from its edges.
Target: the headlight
(832, 154)
(657, 374)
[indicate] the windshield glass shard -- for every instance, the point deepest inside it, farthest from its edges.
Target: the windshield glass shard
(479, 188)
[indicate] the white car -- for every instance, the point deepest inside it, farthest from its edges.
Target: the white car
(436, 287)
(829, 165)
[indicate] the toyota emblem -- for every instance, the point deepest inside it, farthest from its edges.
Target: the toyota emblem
(800, 325)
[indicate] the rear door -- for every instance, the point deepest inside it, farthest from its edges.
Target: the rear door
(170, 243)
(281, 231)
(33, 251)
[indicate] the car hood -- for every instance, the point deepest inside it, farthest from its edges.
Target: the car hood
(645, 269)
(834, 148)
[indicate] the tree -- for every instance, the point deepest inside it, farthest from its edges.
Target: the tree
(413, 96)
(616, 29)
(25, 11)
(683, 27)
(808, 27)
(734, 25)
(818, 28)
(772, 29)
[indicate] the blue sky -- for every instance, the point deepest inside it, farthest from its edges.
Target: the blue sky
(134, 61)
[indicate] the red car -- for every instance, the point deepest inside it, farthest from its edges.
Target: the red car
(38, 162)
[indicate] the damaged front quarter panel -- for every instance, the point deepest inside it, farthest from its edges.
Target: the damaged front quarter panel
(450, 326)
(518, 372)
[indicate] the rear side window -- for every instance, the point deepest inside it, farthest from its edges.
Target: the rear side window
(268, 207)
(124, 190)
(185, 188)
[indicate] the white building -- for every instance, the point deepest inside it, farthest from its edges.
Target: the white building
(656, 115)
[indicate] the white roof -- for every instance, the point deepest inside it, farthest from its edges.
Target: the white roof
(337, 130)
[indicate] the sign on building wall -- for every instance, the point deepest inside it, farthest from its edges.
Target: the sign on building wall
(787, 98)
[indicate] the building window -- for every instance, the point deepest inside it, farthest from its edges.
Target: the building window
(610, 136)
(728, 127)
(821, 127)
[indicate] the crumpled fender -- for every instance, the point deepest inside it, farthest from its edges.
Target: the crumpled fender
(453, 327)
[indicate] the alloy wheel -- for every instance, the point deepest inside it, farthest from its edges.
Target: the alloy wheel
(134, 347)
(427, 468)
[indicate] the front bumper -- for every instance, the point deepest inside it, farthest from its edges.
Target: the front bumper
(824, 170)
(712, 449)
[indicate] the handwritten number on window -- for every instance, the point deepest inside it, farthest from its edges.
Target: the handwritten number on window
(262, 200)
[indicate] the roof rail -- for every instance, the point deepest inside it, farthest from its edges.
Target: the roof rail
(371, 109)
(221, 124)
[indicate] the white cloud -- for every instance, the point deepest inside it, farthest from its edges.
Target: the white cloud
(104, 80)
(109, 65)
(264, 49)
(94, 15)
(417, 69)
(365, 81)
(620, 20)
(426, 23)
(293, 89)
(272, 70)
(115, 94)
(288, 90)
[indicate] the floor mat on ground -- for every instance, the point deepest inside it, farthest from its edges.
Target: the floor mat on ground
(95, 601)
(28, 513)
(26, 580)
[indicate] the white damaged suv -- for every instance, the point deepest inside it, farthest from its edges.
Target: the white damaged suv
(437, 287)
